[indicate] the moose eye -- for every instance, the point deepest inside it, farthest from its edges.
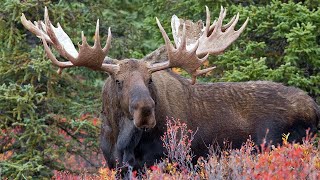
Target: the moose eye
(150, 81)
(119, 83)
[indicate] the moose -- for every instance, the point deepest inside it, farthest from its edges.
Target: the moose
(138, 95)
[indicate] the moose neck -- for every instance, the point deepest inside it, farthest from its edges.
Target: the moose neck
(171, 91)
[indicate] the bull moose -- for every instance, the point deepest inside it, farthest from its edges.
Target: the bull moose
(139, 94)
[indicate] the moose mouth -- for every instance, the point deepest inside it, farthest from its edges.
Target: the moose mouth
(143, 128)
(144, 123)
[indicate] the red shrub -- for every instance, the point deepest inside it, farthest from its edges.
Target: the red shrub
(177, 141)
(289, 161)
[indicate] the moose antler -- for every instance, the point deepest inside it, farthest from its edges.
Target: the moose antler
(90, 57)
(193, 49)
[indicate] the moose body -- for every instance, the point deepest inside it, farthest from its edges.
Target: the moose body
(140, 94)
(230, 112)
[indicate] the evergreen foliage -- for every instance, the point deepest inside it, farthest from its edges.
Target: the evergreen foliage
(39, 108)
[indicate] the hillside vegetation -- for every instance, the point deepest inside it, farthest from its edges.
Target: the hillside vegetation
(49, 122)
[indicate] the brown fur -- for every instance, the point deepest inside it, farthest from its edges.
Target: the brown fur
(221, 111)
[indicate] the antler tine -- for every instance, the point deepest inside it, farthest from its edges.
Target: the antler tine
(220, 38)
(201, 72)
(234, 23)
(90, 57)
(207, 28)
(218, 25)
(108, 43)
(97, 39)
(224, 27)
(169, 47)
(183, 44)
(164, 35)
(58, 46)
(53, 59)
(34, 28)
(241, 29)
(97, 36)
(109, 67)
(83, 40)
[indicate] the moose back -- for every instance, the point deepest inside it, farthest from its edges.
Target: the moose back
(139, 94)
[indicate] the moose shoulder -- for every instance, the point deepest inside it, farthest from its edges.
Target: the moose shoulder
(140, 94)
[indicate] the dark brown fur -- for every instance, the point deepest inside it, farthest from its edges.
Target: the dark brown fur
(221, 111)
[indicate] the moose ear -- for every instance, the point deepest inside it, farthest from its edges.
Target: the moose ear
(111, 62)
(108, 60)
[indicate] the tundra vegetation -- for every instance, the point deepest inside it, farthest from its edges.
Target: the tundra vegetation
(47, 119)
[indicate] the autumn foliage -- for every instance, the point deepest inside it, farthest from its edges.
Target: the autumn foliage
(288, 161)
(49, 123)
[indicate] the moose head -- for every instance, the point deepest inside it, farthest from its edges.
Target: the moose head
(131, 77)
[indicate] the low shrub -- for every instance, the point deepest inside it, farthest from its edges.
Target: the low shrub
(288, 161)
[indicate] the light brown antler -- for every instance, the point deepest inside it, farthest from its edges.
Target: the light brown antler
(221, 37)
(90, 57)
(190, 46)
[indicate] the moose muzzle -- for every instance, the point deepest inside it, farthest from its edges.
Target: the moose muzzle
(143, 114)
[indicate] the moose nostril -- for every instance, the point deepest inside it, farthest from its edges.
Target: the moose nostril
(146, 111)
(145, 128)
